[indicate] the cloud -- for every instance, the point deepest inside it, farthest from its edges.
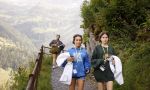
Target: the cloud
(44, 3)
(42, 30)
(21, 3)
(5, 16)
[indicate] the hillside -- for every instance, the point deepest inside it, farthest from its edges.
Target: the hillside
(42, 20)
(15, 48)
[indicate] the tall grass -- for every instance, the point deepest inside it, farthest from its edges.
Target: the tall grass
(44, 80)
(20, 77)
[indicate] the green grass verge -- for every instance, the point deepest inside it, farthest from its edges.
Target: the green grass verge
(19, 78)
(44, 80)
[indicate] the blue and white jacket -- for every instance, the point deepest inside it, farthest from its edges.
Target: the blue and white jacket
(81, 62)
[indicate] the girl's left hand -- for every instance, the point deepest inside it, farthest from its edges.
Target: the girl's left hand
(87, 71)
(113, 62)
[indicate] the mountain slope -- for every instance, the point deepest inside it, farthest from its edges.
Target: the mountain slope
(15, 48)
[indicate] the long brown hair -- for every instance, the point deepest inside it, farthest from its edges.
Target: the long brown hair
(102, 33)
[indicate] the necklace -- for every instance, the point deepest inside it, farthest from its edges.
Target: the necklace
(77, 54)
(105, 56)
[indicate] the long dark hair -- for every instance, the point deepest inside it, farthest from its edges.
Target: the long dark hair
(76, 35)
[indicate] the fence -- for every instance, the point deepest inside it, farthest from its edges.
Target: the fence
(33, 77)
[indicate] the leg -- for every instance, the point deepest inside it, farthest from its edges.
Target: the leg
(54, 59)
(100, 86)
(73, 83)
(80, 84)
(109, 85)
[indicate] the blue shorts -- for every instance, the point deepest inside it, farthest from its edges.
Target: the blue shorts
(82, 78)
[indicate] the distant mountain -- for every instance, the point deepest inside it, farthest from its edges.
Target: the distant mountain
(42, 20)
(27, 24)
(15, 48)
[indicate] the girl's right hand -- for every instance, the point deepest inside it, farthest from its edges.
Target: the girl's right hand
(70, 59)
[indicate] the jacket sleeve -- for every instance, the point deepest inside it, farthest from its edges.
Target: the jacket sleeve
(95, 61)
(65, 62)
(52, 42)
(87, 63)
(60, 43)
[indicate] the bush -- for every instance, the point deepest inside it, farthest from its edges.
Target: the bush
(128, 22)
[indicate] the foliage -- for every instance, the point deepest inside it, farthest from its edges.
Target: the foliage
(128, 23)
(21, 76)
(45, 75)
(20, 79)
(122, 18)
(85, 37)
(86, 14)
(136, 68)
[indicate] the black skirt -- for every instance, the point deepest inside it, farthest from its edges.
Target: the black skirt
(104, 76)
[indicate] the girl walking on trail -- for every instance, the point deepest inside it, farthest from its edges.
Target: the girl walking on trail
(102, 72)
(81, 64)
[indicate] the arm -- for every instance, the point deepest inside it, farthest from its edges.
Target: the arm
(61, 45)
(69, 59)
(95, 60)
(51, 43)
(87, 62)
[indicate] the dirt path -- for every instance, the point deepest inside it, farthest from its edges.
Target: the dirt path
(56, 73)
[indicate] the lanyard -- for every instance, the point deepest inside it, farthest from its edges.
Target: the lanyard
(104, 56)
(78, 53)
(104, 50)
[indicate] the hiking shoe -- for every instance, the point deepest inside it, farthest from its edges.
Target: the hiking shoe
(53, 67)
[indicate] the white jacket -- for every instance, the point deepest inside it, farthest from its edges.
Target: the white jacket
(61, 58)
(117, 69)
(66, 76)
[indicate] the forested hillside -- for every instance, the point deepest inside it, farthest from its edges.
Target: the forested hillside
(128, 23)
(15, 47)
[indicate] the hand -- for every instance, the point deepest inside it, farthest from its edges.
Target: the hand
(110, 58)
(113, 62)
(87, 71)
(70, 59)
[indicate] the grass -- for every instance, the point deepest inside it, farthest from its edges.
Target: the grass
(20, 77)
(45, 75)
